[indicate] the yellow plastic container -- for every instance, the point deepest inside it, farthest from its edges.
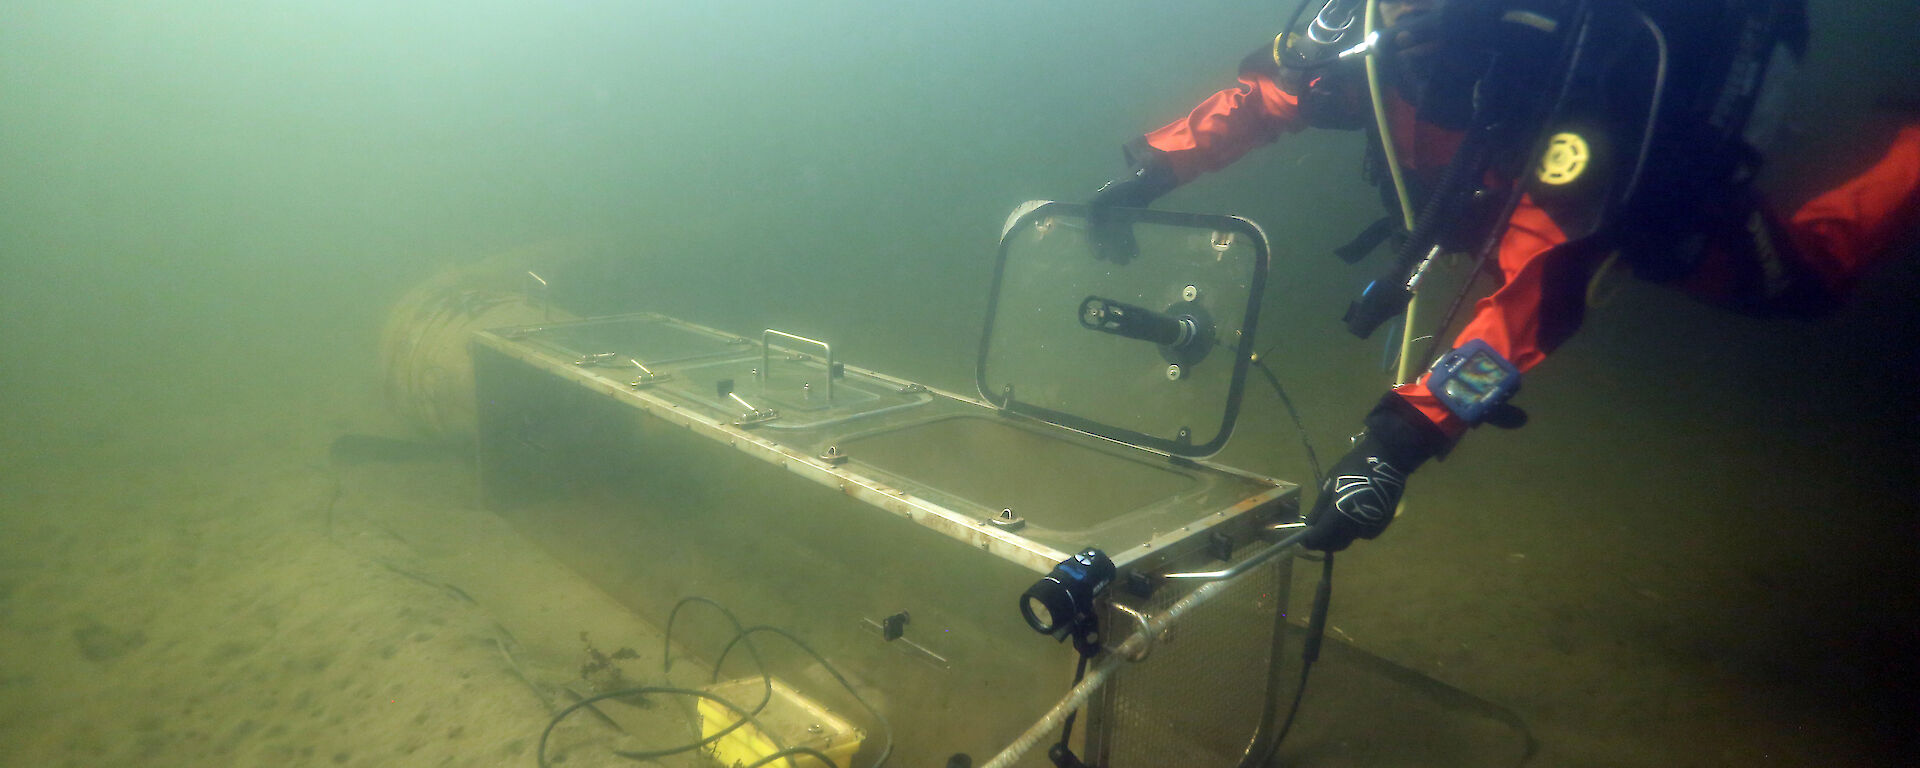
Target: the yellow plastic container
(797, 721)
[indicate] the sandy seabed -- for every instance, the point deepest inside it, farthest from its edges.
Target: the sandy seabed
(204, 586)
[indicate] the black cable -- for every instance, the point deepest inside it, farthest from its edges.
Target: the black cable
(741, 636)
(1310, 648)
(1062, 749)
(666, 664)
(540, 754)
(666, 640)
(886, 729)
(1313, 459)
(1323, 594)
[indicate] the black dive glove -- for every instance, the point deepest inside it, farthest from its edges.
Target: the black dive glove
(1360, 493)
(1148, 179)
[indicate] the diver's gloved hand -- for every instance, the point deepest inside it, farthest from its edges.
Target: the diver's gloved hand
(1112, 235)
(1360, 493)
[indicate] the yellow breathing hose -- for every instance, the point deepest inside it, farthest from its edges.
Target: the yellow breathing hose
(1404, 374)
(1401, 376)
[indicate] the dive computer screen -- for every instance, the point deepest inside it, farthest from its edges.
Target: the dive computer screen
(1472, 379)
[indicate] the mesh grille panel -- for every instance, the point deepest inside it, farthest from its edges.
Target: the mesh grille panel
(1198, 698)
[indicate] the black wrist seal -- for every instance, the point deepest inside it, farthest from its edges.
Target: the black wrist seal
(1405, 434)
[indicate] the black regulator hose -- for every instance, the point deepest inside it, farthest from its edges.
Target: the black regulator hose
(1388, 296)
(1575, 51)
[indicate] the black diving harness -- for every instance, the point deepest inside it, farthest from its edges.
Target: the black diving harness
(1728, 51)
(1503, 111)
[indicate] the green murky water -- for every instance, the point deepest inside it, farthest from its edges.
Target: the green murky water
(1701, 551)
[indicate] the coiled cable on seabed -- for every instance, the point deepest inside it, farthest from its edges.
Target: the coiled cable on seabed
(1133, 646)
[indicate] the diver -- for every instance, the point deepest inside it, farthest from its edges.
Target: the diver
(1550, 140)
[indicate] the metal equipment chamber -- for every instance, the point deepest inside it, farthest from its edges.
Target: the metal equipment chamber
(895, 525)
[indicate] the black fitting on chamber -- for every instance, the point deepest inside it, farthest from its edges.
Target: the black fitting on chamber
(1063, 757)
(1184, 333)
(1127, 320)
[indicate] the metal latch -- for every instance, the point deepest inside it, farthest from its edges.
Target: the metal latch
(1007, 520)
(647, 377)
(752, 416)
(895, 626)
(893, 629)
(833, 457)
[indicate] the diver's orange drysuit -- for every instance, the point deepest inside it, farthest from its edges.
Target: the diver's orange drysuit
(1827, 242)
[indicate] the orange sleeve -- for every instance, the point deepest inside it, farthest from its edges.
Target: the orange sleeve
(1804, 265)
(1854, 226)
(1227, 125)
(1537, 307)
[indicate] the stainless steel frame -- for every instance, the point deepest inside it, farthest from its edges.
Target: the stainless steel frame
(553, 432)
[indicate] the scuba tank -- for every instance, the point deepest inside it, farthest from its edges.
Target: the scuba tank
(1729, 69)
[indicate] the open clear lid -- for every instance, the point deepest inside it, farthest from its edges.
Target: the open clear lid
(1146, 342)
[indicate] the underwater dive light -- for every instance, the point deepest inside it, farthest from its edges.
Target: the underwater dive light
(1062, 603)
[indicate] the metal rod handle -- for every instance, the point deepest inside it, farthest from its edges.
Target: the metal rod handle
(1248, 564)
(766, 357)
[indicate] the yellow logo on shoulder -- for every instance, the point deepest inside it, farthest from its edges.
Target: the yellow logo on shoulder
(1566, 157)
